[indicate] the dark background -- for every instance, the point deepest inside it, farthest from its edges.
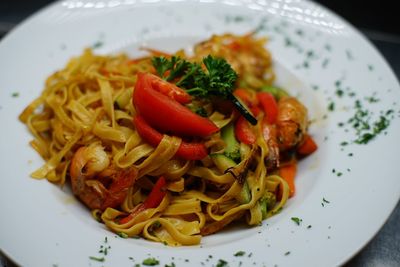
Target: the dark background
(378, 20)
(382, 16)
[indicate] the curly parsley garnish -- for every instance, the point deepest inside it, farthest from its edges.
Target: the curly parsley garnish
(216, 79)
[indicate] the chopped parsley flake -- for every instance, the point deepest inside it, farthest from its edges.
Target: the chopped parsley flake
(309, 226)
(296, 220)
(299, 32)
(122, 235)
(326, 201)
(287, 253)
(372, 99)
(349, 55)
(15, 94)
(339, 92)
(239, 254)
(97, 259)
(325, 63)
(150, 262)
(328, 47)
(331, 106)
(310, 54)
(315, 87)
(222, 263)
(97, 44)
(173, 264)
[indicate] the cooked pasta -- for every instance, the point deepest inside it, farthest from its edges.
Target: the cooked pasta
(158, 169)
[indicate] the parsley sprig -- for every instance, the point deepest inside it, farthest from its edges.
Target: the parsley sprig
(217, 79)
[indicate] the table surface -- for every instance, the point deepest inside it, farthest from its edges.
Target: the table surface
(384, 248)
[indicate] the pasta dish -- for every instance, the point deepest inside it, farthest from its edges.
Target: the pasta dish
(172, 147)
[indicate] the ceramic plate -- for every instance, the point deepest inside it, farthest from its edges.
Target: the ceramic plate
(345, 191)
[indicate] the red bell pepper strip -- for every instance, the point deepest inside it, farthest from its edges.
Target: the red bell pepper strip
(244, 95)
(269, 106)
(152, 201)
(308, 146)
(243, 131)
(188, 151)
(163, 112)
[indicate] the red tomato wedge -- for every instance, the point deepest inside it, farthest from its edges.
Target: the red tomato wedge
(158, 102)
(189, 151)
(269, 106)
(170, 90)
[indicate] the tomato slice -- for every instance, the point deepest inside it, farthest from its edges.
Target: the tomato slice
(170, 90)
(157, 101)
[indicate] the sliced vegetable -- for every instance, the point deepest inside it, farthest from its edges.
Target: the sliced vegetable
(288, 173)
(157, 194)
(267, 202)
(308, 146)
(245, 194)
(222, 162)
(189, 151)
(152, 201)
(164, 113)
(244, 132)
(232, 149)
(269, 105)
(277, 92)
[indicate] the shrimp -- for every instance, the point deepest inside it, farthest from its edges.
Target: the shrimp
(270, 136)
(292, 123)
(95, 182)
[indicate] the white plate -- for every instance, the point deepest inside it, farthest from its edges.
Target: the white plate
(315, 53)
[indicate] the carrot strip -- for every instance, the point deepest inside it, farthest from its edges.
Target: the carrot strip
(308, 146)
(288, 173)
(156, 52)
